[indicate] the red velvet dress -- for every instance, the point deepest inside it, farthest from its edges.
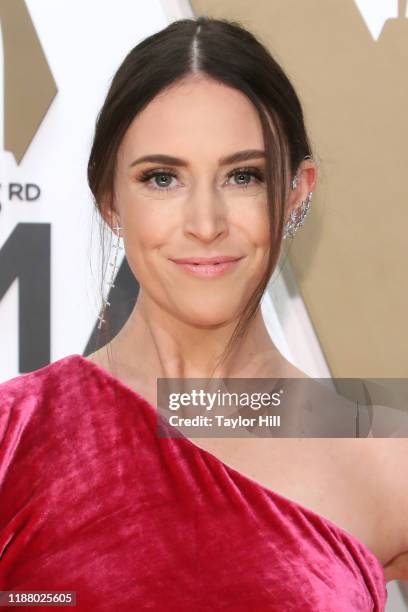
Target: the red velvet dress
(93, 501)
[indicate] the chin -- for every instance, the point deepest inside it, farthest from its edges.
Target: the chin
(206, 316)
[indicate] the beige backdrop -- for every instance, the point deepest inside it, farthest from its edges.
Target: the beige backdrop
(29, 86)
(350, 257)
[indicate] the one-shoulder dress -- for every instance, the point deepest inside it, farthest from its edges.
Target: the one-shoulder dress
(93, 501)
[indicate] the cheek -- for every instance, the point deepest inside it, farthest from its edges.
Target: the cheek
(147, 232)
(253, 223)
(258, 231)
(152, 228)
(146, 226)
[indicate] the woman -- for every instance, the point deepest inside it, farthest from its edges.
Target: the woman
(200, 151)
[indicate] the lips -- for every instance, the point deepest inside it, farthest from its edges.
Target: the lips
(207, 267)
(217, 259)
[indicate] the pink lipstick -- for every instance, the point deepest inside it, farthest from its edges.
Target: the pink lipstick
(207, 267)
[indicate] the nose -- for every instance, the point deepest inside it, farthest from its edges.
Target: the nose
(205, 214)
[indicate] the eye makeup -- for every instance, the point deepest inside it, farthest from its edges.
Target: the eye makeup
(147, 176)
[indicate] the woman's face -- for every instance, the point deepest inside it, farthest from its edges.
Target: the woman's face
(199, 206)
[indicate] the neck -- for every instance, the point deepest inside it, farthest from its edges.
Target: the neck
(154, 343)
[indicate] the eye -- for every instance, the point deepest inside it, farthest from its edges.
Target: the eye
(160, 179)
(163, 179)
(243, 176)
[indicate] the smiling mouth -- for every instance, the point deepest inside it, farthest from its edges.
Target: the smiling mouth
(208, 270)
(220, 259)
(216, 263)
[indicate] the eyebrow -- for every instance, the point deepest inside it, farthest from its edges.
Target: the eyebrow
(239, 156)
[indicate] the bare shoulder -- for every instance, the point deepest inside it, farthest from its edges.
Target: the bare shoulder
(377, 470)
(388, 460)
(370, 495)
(97, 356)
(100, 358)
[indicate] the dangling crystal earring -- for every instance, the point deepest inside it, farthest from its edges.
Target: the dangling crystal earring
(114, 265)
(297, 216)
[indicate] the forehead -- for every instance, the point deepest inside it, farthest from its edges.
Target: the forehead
(195, 117)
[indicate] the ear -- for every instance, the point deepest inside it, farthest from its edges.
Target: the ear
(109, 213)
(306, 182)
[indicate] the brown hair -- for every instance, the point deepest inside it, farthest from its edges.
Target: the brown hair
(230, 54)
